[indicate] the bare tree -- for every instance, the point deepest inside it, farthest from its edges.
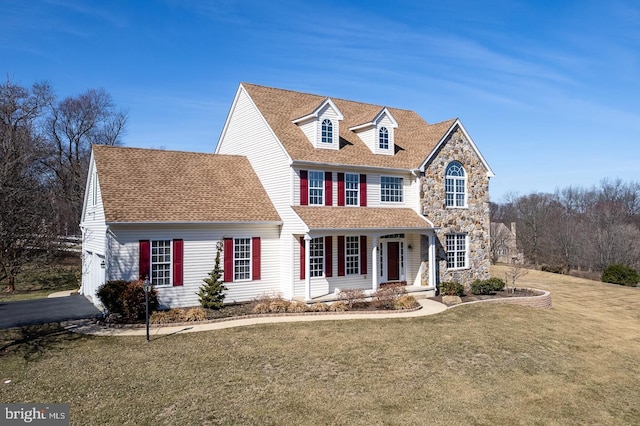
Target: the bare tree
(533, 211)
(73, 125)
(24, 208)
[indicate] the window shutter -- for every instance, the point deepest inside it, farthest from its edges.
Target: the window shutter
(304, 188)
(302, 258)
(363, 254)
(144, 259)
(255, 258)
(328, 188)
(341, 256)
(328, 256)
(178, 261)
(363, 190)
(228, 260)
(341, 193)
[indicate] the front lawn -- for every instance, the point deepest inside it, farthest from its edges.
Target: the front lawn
(576, 363)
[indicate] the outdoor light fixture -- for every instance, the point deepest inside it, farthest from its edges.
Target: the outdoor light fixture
(147, 288)
(102, 263)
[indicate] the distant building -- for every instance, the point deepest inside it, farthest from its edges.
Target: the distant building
(504, 248)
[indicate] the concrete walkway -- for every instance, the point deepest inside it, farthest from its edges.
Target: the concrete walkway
(429, 307)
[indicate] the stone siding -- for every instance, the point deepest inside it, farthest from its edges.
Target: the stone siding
(472, 220)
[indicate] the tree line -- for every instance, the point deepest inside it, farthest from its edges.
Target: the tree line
(576, 228)
(45, 146)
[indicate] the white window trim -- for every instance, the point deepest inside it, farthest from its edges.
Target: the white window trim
(329, 139)
(321, 257)
(250, 259)
(466, 253)
(356, 239)
(321, 188)
(151, 262)
(357, 180)
(401, 190)
(455, 179)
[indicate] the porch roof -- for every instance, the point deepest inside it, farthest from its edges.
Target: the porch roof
(361, 218)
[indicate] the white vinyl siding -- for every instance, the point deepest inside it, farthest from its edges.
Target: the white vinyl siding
(199, 253)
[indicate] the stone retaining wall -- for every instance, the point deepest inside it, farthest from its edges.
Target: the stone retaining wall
(542, 301)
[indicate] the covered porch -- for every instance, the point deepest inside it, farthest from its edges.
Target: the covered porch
(363, 248)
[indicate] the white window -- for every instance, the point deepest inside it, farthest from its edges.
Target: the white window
(316, 255)
(455, 185)
(352, 189)
(456, 251)
(383, 138)
(352, 254)
(391, 189)
(161, 262)
(241, 259)
(327, 131)
(316, 188)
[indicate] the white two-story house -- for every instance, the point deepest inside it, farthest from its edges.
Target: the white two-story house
(320, 193)
(368, 194)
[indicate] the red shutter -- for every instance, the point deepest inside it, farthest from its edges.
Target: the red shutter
(328, 256)
(363, 254)
(255, 258)
(302, 258)
(178, 261)
(328, 188)
(341, 256)
(228, 260)
(363, 190)
(341, 193)
(144, 261)
(304, 188)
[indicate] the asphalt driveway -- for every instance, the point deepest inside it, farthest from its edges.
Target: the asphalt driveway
(42, 311)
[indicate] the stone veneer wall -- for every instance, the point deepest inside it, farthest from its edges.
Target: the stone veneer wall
(473, 220)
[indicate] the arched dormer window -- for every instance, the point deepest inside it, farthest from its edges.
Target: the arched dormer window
(455, 185)
(327, 131)
(383, 138)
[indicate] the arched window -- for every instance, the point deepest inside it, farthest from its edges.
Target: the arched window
(383, 138)
(327, 131)
(455, 185)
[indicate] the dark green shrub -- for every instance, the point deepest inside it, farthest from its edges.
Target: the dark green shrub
(451, 288)
(497, 284)
(126, 298)
(211, 294)
(621, 274)
(554, 269)
(481, 287)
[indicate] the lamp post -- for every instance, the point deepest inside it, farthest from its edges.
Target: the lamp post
(147, 288)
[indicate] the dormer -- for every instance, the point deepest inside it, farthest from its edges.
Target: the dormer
(378, 134)
(322, 125)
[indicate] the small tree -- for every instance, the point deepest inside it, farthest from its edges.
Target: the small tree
(621, 274)
(211, 293)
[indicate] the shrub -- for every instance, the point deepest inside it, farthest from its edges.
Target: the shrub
(451, 288)
(481, 287)
(133, 301)
(110, 295)
(160, 317)
(279, 305)
(386, 297)
(554, 269)
(621, 274)
(297, 307)
(353, 297)
(195, 314)
(261, 308)
(127, 298)
(406, 302)
(319, 307)
(497, 284)
(338, 306)
(211, 294)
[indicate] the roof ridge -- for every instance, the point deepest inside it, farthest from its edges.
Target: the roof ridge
(175, 151)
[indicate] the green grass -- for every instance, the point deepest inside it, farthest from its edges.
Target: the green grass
(577, 363)
(40, 278)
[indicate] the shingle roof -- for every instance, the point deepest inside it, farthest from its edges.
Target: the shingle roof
(414, 137)
(149, 185)
(319, 217)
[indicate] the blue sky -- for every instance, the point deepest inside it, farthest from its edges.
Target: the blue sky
(548, 90)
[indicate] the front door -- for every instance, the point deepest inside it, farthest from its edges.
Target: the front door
(393, 261)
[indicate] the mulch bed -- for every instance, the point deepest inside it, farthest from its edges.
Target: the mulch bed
(517, 292)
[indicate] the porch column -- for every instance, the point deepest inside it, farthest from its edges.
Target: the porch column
(432, 259)
(307, 267)
(374, 264)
